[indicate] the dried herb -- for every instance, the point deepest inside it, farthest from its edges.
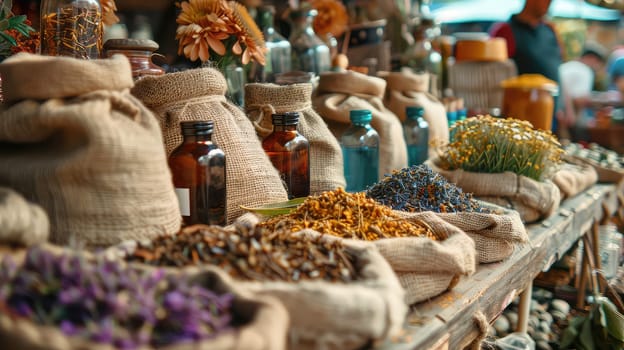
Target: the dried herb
(73, 31)
(418, 189)
(485, 144)
(251, 254)
(350, 215)
(109, 303)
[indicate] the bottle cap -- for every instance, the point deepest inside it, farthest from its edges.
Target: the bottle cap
(360, 116)
(197, 127)
(288, 118)
(414, 112)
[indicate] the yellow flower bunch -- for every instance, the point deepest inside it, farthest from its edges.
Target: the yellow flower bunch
(493, 145)
(208, 28)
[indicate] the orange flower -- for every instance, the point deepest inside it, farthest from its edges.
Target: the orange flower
(108, 12)
(205, 25)
(332, 17)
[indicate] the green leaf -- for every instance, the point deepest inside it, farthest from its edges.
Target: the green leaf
(5, 10)
(279, 208)
(8, 38)
(614, 320)
(586, 339)
(571, 333)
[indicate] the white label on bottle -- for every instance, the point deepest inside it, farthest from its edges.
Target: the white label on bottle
(184, 199)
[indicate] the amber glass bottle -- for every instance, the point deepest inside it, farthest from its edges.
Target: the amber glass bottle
(290, 154)
(198, 170)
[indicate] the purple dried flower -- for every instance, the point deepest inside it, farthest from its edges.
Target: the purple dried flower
(68, 328)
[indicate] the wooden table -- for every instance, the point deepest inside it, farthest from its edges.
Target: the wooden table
(447, 321)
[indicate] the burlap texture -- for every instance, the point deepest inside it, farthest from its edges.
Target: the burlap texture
(533, 200)
(21, 222)
(263, 100)
(495, 235)
(573, 179)
(263, 322)
(325, 315)
(199, 94)
(340, 92)
(94, 161)
(441, 263)
(407, 89)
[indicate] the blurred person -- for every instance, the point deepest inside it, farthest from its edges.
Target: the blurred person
(595, 57)
(533, 45)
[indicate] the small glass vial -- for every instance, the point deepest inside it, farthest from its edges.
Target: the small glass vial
(416, 134)
(360, 148)
(309, 52)
(139, 53)
(278, 55)
(198, 171)
(290, 154)
(71, 28)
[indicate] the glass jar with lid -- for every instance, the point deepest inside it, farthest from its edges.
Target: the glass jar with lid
(530, 97)
(309, 52)
(71, 28)
(139, 53)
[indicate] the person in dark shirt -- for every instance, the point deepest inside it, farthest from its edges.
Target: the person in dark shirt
(532, 42)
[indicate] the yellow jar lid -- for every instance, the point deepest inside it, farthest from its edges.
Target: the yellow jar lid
(530, 81)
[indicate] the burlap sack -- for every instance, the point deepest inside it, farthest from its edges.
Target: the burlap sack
(533, 200)
(21, 222)
(261, 322)
(427, 268)
(573, 179)
(340, 92)
(495, 235)
(199, 94)
(325, 315)
(407, 89)
(262, 100)
(77, 143)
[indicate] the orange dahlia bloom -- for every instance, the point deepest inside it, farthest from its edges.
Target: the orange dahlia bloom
(205, 25)
(108, 12)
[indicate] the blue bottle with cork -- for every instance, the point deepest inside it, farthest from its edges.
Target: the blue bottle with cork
(360, 148)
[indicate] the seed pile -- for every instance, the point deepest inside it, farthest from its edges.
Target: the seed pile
(350, 215)
(111, 304)
(418, 189)
(251, 254)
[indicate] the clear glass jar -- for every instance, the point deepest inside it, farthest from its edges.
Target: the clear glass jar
(309, 52)
(289, 152)
(420, 55)
(71, 28)
(139, 53)
(416, 134)
(360, 149)
(198, 172)
(279, 51)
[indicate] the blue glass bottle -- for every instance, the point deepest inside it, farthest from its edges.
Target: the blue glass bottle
(360, 148)
(416, 133)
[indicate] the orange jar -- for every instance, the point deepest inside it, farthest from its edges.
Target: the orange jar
(530, 97)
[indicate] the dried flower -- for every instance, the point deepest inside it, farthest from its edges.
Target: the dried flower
(111, 303)
(108, 12)
(494, 145)
(208, 28)
(331, 19)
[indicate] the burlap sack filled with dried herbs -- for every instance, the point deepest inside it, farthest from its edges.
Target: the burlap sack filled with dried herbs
(428, 254)
(78, 144)
(21, 222)
(229, 317)
(262, 100)
(495, 230)
(407, 89)
(199, 94)
(504, 161)
(340, 92)
(340, 294)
